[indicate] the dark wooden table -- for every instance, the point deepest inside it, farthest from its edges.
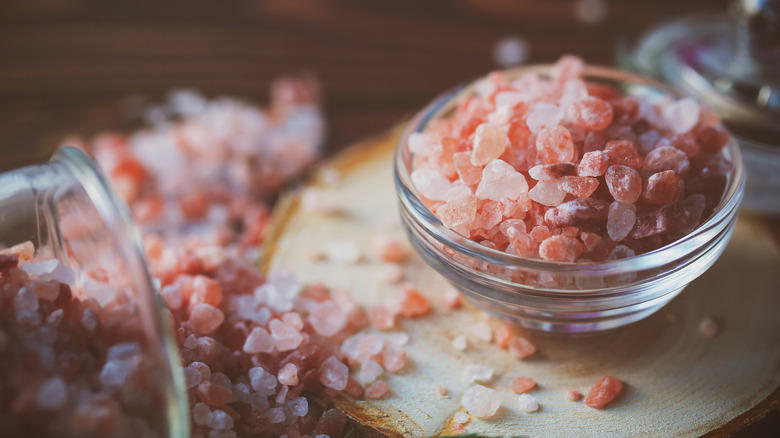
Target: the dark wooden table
(65, 65)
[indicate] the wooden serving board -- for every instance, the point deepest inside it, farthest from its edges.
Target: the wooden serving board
(679, 383)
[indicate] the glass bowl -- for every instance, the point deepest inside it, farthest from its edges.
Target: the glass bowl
(113, 327)
(558, 296)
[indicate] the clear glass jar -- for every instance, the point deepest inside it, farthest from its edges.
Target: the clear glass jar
(556, 296)
(70, 214)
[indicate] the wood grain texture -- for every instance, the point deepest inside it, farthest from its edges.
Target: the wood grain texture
(678, 383)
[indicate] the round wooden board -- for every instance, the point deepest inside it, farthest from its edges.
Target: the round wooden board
(678, 383)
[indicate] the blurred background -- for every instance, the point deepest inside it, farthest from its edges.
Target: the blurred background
(74, 66)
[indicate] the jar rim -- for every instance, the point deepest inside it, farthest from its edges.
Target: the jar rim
(411, 202)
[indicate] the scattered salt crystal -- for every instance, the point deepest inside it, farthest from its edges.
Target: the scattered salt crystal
(521, 347)
(327, 318)
(481, 330)
(431, 184)
(708, 327)
(573, 395)
(547, 193)
(682, 115)
(377, 389)
(543, 115)
(345, 251)
(369, 371)
(590, 11)
(201, 413)
(523, 384)
(394, 357)
(334, 374)
(527, 403)
(480, 401)
(510, 51)
(320, 200)
(419, 143)
(388, 248)
(391, 273)
(441, 390)
(501, 181)
(459, 343)
(477, 373)
(52, 394)
(220, 420)
(453, 299)
(460, 417)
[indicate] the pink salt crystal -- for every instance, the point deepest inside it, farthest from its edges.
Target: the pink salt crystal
(377, 389)
(664, 187)
(527, 403)
(480, 401)
(477, 373)
(453, 299)
(281, 396)
(568, 67)
(327, 318)
(344, 251)
(682, 115)
(577, 212)
(624, 183)
(590, 113)
(288, 375)
(23, 251)
(381, 317)
(391, 273)
(201, 413)
(579, 186)
(624, 152)
(205, 290)
(521, 347)
(172, 295)
(294, 319)
(573, 395)
(543, 115)
(501, 181)
(708, 327)
(334, 374)
(559, 249)
(667, 158)
(523, 384)
(441, 390)
(512, 228)
(388, 248)
(284, 335)
(258, 341)
(548, 172)
(594, 163)
(469, 174)
(481, 330)
(490, 141)
(459, 343)
(431, 184)
(205, 318)
(419, 143)
(369, 371)
(547, 193)
(589, 240)
(205, 371)
(394, 358)
(366, 347)
(313, 254)
(47, 290)
(458, 429)
(413, 303)
(555, 145)
(621, 220)
(192, 377)
(460, 208)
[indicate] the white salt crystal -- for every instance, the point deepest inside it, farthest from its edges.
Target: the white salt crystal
(574, 90)
(192, 377)
(477, 373)
(172, 295)
(63, 274)
(258, 341)
(327, 318)
(191, 342)
(38, 268)
(527, 403)
(299, 406)
(431, 184)
(543, 115)
(369, 371)
(242, 393)
(419, 143)
(682, 115)
(201, 413)
(52, 394)
(501, 181)
(459, 343)
(334, 374)
(510, 51)
(400, 339)
(220, 420)
(460, 417)
(490, 141)
(115, 372)
(509, 99)
(345, 251)
(124, 351)
(261, 380)
(547, 193)
(480, 401)
(620, 220)
(319, 200)
(481, 330)
(275, 415)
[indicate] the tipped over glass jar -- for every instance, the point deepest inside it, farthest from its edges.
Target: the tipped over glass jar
(86, 349)
(568, 198)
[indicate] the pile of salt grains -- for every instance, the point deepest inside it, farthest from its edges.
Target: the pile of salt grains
(567, 170)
